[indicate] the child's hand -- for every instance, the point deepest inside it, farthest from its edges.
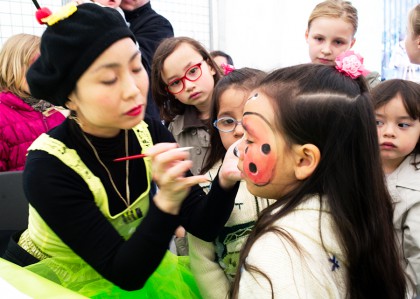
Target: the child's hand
(168, 168)
(229, 173)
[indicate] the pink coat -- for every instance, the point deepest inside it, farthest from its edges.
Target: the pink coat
(20, 125)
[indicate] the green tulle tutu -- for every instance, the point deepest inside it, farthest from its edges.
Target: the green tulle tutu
(172, 279)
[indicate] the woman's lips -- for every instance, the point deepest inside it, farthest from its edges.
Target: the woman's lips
(135, 111)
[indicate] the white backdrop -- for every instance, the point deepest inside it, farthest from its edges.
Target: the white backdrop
(268, 34)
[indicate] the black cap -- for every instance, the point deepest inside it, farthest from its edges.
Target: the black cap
(70, 46)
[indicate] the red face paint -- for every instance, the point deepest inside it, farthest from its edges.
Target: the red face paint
(260, 155)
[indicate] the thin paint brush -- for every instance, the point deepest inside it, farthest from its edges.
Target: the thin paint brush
(140, 156)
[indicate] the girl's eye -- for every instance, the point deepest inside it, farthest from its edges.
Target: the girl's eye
(379, 123)
(193, 70)
(404, 125)
(175, 83)
(339, 42)
(228, 121)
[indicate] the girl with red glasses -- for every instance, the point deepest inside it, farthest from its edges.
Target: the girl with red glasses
(183, 78)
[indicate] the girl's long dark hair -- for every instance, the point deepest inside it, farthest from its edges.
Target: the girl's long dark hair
(242, 79)
(318, 105)
(168, 105)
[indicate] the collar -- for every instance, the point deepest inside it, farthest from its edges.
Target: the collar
(406, 176)
(137, 12)
(14, 102)
(186, 121)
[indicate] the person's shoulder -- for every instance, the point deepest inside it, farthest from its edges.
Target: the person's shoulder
(157, 130)
(373, 79)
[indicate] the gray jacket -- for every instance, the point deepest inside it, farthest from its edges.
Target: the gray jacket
(189, 130)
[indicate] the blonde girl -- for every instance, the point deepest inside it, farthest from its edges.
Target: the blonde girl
(331, 30)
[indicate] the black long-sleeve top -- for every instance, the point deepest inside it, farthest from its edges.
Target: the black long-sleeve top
(63, 199)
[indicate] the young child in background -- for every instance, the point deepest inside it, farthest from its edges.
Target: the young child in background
(331, 31)
(22, 117)
(221, 57)
(217, 261)
(223, 60)
(412, 41)
(183, 77)
(311, 143)
(397, 105)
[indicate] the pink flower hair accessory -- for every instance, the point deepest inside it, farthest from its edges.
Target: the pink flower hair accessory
(351, 64)
(227, 68)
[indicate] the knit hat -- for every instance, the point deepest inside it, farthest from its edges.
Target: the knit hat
(70, 46)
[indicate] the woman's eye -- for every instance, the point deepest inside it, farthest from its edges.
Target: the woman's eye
(137, 70)
(109, 82)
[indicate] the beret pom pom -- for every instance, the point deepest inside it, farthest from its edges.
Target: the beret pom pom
(42, 13)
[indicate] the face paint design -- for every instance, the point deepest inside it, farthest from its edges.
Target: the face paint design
(260, 155)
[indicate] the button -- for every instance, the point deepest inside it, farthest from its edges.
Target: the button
(198, 151)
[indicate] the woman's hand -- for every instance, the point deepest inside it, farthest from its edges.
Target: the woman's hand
(229, 173)
(169, 166)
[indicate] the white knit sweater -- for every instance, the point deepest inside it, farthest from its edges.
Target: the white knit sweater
(309, 273)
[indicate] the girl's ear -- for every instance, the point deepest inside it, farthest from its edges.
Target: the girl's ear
(306, 35)
(307, 158)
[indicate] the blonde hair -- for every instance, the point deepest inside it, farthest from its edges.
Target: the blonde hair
(414, 21)
(16, 56)
(335, 9)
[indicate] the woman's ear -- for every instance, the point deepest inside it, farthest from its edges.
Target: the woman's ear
(307, 158)
(70, 105)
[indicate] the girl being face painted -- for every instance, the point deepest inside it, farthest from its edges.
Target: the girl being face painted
(265, 160)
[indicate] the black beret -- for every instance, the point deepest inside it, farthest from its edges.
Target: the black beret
(70, 46)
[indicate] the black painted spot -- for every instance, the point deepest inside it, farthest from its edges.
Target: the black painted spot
(265, 148)
(253, 167)
(246, 150)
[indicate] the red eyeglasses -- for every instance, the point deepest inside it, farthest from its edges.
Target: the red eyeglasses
(192, 74)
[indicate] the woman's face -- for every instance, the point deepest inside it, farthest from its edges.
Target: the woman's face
(112, 93)
(265, 160)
